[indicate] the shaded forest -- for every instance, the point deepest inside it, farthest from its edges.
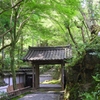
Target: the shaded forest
(26, 23)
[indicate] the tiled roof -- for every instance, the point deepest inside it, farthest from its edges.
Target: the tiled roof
(20, 71)
(48, 53)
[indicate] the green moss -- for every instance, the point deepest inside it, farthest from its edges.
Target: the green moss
(20, 96)
(51, 82)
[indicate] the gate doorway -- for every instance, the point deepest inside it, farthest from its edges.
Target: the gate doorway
(47, 55)
(28, 79)
(51, 77)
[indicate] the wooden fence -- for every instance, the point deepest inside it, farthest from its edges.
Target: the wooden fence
(15, 93)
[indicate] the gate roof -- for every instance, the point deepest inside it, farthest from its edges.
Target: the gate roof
(48, 54)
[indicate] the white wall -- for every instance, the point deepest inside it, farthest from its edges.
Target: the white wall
(6, 80)
(19, 79)
(3, 88)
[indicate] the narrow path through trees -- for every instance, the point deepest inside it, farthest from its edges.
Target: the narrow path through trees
(46, 91)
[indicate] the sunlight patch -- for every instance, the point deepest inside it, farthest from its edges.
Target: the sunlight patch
(51, 82)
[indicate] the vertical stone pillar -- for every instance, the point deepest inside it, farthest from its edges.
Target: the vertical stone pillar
(37, 76)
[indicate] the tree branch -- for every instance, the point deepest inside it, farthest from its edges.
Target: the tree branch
(12, 6)
(20, 27)
(76, 46)
(5, 33)
(85, 19)
(71, 36)
(5, 47)
(83, 34)
(86, 30)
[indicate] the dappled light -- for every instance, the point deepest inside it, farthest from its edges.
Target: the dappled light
(51, 82)
(50, 43)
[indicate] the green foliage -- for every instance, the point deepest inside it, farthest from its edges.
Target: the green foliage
(56, 74)
(3, 96)
(94, 92)
(72, 91)
(46, 26)
(20, 96)
(97, 78)
(6, 62)
(89, 96)
(94, 95)
(44, 68)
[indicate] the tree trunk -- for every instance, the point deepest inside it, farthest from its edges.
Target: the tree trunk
(13, 44)
(83, 34)
(12, 53)
(2, 52)
(21, 45)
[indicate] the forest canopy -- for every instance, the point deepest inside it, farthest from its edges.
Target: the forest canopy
(26, 23)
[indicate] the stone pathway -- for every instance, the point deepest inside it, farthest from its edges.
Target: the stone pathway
(42, 96)
(46, 91)
(47, 76)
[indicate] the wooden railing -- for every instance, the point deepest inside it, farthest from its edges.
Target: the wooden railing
(18, 92)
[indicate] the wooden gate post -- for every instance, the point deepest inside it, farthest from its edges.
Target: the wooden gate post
(62, 75)
(36, 76)
(33, 76)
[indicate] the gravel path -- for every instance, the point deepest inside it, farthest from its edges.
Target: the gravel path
(45, 95)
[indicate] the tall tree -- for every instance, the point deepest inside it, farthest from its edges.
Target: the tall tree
(16, 22)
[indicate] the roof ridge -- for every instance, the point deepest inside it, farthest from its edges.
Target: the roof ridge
(50, 47)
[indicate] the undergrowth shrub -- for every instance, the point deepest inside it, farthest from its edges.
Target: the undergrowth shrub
(4, 96)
